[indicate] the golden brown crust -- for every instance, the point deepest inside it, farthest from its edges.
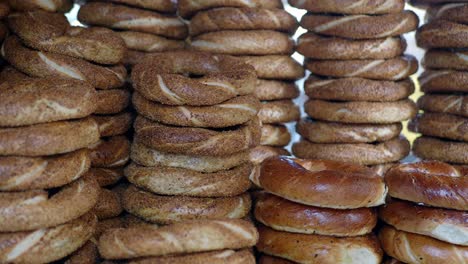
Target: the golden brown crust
(148, 42)
(134, 19)
(233, 112)
(279, 111)
(188, 8)
(49, 138)
(452, 12)
(268, 90)
(110, 152)
(51, 32)
(409, 248)
(114, 125)
(331, 132)
(316, 46)
(30, 210)
(442, 34)
(112, 101)
(46, 64)
(444, 81)
(179, 181)
(391, 69)
(446, 225)
(361, 26)
(214, 257)
(47, 5)
(238, 42)
(287, 216)
(165, 78)
(47, 245)
(450, 104)
(229, 18)
(361, 153)
(357, 89)
(304, 248)
(151, 157)
(433, 183)
(350, 6)
(34, 101)
(442, 126)
(443, 59)
(277, 67)
(321, 183)
(444, 150)
(261, 153)
(23, 173)
(165, 6)
(361, 112)
(275, 135)
(165, 210)
(108, 204)
(106, 176)
(186, 237)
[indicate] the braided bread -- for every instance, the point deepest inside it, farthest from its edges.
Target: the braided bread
(165, 6)
(361, 153)
(46, 64)
(303, 181)
(179, 181)
(110, 152)
(114, 125)
(148, 42)
(453, 12)
(280, 111)
(161, 78)
(441, 59)
(48, 5)
(442, 126)
(437, 149)
(450, 104)
(445, 81)
(431, 182)
(350, 6)
(442, 34)
(275, 67)
(188, 8)
(51, 32)
(186, 237)
(215, 257)
(268, 90)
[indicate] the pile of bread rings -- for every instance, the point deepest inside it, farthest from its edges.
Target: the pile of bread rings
(259, 32)
(444, 124)
(148, 26)
(359, 87)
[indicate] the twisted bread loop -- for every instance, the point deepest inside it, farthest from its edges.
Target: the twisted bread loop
(215, 257)
(112, 101)
(431, 182)
(108, 205)
(446, 225)
(29, 210)
(275, 135)
(303, 248)
(185, 237)
(357, 89)
(62, 6)
(22, 173)
(361, 153)
(47, 244)
(49, 138)
(106, 176)
(437, 149)
(391, 69)
(28, 102)
(188, 8)
(315, 46)
(361, 112)
(172, 209)
(350, 6)
(114, 125)
(409, 247)
(179, 181)
(280, 111)
(238, 42)
(287, 216)
(268, 90)
(51, 32)
(450, 104)
(151, 157)
(445, 81)
(135, 19)
(165, 6)
(149, 42)
(46, 64)
(331, 132)
(442, 126)
(331, 182)
(441, 59)
(278, 67)
(110, 152)
(228, 18)
(165, 78)
(452, 12)
(361, 26)
(201, 141)
(442, 34)
(233, 112)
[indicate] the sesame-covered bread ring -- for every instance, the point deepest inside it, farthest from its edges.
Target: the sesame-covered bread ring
(315, 46)
(188, 8)
(243, 256)
(442, 126)
(30, 210)
(179, 238)
(108, 204)
(442, 34)
(114, 125)
(106, 176)
(277, 67)
(165, 6)
(48, 138)
(47, 64)
(201, 141)
(453, 12)
(179, 181)
(134, 19)
(450, 104)
(47, 5)
(110, 152)
(351, 7)
(228, 18)
(112, 101)
(36, 101)
(165, 78)
(438, 149)
(279, 111)
(361, 26)
(269, 90)
(233, 112)
(444, 81)
(443, 59)
(52, 32)
(148, 42)
(275, 135)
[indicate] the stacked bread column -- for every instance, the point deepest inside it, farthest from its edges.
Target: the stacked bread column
(259, 33)
(318, 212)
(358, 88)
(444, 123)
(145, 26)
